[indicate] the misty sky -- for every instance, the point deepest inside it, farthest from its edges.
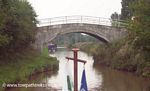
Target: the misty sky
(56, 8)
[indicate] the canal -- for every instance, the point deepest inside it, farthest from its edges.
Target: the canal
(99, 78)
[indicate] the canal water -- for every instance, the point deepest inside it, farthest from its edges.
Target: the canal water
(99, 78)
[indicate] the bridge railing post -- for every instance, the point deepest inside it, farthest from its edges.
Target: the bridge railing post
(99, 21)
(66, 19)
(81, 19)
(50, 21)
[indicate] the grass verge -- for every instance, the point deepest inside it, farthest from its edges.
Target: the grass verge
(17, 68)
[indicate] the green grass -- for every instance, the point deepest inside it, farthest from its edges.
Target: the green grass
(18, 68)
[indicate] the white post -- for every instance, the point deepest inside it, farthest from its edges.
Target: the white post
(99, 20)
(50, 21)
(81, 19)
(66, 19)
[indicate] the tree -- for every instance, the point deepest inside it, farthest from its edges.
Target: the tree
(4, 39)
(126, 12)
(17, 25)
(115, 19)
(140, 26)
(73, 38)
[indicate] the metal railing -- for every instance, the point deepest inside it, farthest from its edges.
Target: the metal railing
(80, 19)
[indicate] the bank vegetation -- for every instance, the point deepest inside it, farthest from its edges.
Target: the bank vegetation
(133, 52)
(18, 58)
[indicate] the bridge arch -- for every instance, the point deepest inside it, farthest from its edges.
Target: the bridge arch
(105, 33)
(76, 29)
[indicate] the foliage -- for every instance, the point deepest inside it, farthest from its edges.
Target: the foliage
(115, 19)
(115, 16)
(120, 55)
(140, 30)
(126, 12)
(4, 40)
(140, 26)
(73, 38)
(19, 67)
(89, 47)
(132, 53)
(17, 25)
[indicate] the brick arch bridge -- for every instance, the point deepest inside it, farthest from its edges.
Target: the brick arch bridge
(100, 28)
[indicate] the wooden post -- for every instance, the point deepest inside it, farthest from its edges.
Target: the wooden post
(75, 69)
(76, 60)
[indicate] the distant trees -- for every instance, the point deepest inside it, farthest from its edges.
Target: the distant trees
(17, 25)
(115, 19)
(72, 38)
(126, 12)
(115, 16)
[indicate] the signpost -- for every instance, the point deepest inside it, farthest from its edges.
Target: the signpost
(76, 60)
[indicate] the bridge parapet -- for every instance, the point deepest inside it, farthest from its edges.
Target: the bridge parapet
(100, 28)
(80, 19)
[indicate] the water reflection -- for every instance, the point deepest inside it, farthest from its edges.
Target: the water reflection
(114, 80)
(92, 78)
(98, 78)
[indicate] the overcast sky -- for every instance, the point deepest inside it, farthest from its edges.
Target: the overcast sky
(56, 8)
